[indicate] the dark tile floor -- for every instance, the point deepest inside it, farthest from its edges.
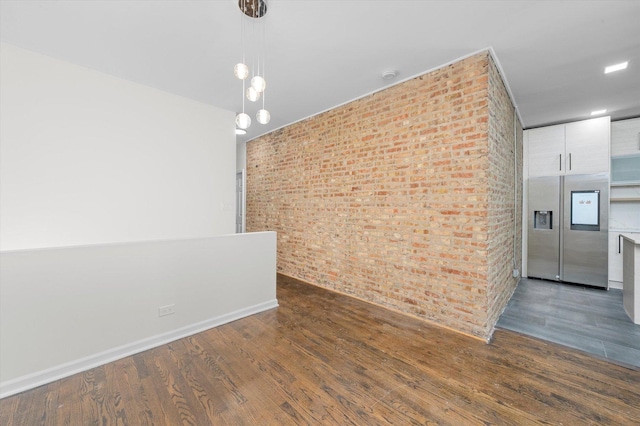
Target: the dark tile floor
(583, 318)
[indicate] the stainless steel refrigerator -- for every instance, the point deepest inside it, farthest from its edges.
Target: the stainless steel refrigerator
(568, 229)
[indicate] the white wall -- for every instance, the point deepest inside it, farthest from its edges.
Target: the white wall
(94, 172)
(89, 158)
(241, 157)
(64, 310)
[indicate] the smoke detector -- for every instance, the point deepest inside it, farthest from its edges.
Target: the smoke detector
(389, 75)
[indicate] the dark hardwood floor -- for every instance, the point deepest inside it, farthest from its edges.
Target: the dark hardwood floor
(324, 358)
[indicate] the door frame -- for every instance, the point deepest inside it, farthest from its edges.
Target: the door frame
(241, 201)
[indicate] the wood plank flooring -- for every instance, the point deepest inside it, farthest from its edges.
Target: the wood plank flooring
(324, 358)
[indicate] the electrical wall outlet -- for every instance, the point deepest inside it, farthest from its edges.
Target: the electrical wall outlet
(166, 310)
(516, 273)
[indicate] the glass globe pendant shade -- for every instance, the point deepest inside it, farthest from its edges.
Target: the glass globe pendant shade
(258, 83)
(263, 116)
(241, 71)
(252, 94)
(243, 120)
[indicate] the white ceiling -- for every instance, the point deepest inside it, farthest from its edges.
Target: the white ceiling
(323, 53)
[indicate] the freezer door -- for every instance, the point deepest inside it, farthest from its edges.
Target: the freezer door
(544, 228)
(585, 231)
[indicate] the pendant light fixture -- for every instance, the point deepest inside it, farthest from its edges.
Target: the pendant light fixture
(253, 12)
(263, 116)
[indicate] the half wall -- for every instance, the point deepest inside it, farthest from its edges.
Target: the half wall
(68, 309)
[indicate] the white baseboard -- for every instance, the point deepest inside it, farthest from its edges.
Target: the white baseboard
(39, 378)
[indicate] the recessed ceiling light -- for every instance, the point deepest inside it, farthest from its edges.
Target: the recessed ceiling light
(616, 67)
(240, 131)
(598, 112)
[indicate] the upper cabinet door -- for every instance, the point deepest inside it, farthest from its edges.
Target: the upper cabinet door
(625, 137)
(546, 151)
(587, 146)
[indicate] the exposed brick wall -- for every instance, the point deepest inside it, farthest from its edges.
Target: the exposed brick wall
(505, 206)
(391, 198)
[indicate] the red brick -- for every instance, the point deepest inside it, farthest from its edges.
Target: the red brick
(404, 198)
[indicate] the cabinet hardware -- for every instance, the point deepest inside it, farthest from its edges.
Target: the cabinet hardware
(569, 161)
(619, 243)
(560, 162)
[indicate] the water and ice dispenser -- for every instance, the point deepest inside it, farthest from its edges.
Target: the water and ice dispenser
(543, 219)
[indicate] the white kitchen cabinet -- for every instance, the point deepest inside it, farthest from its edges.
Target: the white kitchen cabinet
(587, 146)
(575, 148)
(625, 137)
(615, 260)
(624, 213)
(546, 151)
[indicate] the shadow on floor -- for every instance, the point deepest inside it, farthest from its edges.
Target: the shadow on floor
(591, 320)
